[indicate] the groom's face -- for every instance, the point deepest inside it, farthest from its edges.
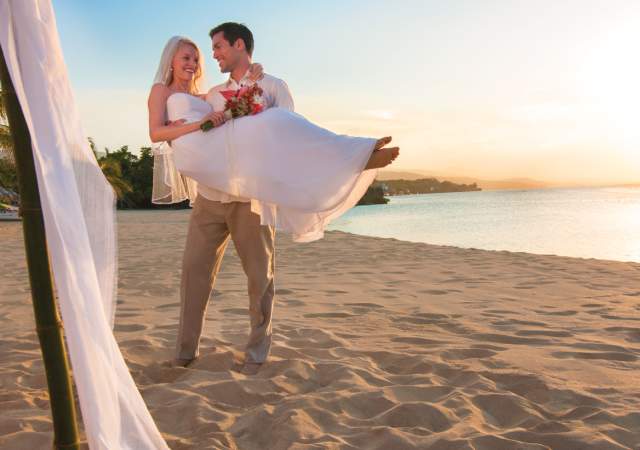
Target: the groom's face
(226, 54)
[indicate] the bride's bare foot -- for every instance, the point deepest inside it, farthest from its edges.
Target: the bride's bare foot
(383, 157)
(382, 142)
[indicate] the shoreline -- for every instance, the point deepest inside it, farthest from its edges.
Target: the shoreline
(331, 231)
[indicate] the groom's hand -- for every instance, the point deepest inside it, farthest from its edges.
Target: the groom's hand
(256, 72)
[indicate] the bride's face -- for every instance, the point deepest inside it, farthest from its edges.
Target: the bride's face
(185, 63)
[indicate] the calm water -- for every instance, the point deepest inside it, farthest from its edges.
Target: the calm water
(599, 223)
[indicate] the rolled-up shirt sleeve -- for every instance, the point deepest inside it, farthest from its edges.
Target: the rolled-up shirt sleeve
(283, 98)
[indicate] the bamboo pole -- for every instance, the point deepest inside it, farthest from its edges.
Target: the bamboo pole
(48, 322)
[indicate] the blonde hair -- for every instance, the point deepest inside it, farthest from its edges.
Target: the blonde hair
(164, 74)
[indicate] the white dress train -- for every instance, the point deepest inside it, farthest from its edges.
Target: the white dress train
(299, 175)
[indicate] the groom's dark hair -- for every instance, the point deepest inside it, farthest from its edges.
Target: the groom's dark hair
(233, 31)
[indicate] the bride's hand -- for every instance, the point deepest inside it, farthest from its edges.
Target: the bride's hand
(256, 72)
(217, 118)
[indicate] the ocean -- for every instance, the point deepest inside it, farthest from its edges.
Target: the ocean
(601, 223)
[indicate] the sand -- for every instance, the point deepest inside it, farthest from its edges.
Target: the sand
(378, 344)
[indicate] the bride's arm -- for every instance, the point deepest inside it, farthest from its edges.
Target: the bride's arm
(158, 130)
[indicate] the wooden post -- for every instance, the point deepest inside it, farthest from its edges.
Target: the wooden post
(48, 322)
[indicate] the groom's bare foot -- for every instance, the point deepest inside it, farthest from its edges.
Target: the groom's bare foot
(382, 142)
(383, 157)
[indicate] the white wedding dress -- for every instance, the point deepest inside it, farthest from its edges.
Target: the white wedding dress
(299, 176)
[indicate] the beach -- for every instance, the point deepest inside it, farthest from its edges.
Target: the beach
(378, 344)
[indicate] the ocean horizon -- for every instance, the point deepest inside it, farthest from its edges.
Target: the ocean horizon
(602, 223)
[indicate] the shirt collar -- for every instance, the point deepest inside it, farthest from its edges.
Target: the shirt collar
(243, 80)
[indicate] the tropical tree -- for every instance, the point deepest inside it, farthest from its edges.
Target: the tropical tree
(6, 143)
(112, 171)
(8, 175)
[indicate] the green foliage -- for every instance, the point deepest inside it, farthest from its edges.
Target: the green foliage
(8, 175)
(425, 186)
(131, 176)
(374, 196)
(112, 170)
(6, 142)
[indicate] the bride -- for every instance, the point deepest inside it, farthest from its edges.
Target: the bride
(299, 176)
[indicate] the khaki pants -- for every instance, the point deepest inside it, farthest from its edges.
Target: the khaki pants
(210, 226)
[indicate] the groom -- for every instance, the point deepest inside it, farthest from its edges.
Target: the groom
(218, 216)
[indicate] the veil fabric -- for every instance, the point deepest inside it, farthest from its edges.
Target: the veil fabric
(169, 185)
(79, 214)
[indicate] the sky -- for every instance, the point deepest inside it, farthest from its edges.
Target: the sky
(491, 89)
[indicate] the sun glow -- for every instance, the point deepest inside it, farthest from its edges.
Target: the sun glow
(611, 81)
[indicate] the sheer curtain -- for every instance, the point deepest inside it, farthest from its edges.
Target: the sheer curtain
(79, 214)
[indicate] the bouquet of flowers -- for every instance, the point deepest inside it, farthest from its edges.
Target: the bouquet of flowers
(246, 101)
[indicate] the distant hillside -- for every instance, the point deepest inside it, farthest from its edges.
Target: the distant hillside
(512, 183)
(424, 186)
(394, 175)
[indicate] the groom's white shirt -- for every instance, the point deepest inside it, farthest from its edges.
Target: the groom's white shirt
(275, 93)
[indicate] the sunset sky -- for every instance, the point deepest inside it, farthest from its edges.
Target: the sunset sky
(492, 89)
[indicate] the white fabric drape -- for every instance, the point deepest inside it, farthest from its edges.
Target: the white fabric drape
(79, 215)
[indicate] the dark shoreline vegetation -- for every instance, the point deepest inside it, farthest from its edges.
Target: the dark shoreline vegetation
(377, 192)
(131, 177)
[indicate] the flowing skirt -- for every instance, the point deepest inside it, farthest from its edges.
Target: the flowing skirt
(299, 176)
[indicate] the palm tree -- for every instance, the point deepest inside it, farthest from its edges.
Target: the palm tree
(113, 173)
(8, 180)
(112, 170)
(6, 143)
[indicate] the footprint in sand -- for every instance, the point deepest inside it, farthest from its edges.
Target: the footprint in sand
(433, 316)
(508, 339)
(557, 313)
(631, 334)
(293, 302)
(609, 316)
(416, 414)
(365, 305)
(415, 340)
(238, 311)
(338, 315)
(505, 410)
(607, 356)
(467, 353)
(127, 328)
(549, 333)
(168, 305)
(516, 322)
(436, 291)
(283, 291)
